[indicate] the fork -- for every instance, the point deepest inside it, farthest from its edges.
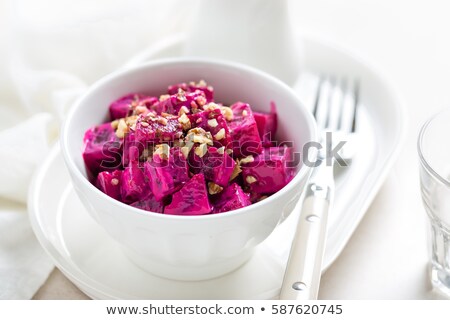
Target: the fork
(335, 111)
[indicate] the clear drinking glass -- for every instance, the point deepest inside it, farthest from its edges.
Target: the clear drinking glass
(434, 154)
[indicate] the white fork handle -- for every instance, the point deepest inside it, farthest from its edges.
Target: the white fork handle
(302, 277)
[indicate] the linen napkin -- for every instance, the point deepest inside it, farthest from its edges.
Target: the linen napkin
(50, 51)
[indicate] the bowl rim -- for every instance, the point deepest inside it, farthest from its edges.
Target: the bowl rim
(123, 72)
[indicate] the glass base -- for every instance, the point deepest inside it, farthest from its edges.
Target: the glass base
(440, 280)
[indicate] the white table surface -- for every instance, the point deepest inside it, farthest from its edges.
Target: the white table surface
(387, 256)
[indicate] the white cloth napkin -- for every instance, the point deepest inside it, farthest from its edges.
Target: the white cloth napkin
(50, 51)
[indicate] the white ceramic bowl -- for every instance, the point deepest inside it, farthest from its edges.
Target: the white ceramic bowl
(188, 247)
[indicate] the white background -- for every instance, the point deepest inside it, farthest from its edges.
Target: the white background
(408, 40)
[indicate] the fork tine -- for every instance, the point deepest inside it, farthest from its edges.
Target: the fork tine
(356, 103)
(329, 100)
(344, 85)
(349, 108)
(316, 102)
(323, 103)
(336, 104)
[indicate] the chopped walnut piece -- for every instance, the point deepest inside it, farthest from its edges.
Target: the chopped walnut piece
(114, 181)
(199, 135)
(151, 114)
(201, 83)
(122, 129)
(220, 135)
(200, 100)
(162, 121)
(140, 109)
(184, 121)
(211, 106)
(194, 106)
(221, 150)
(244, 113)
(130, 121)
(213, 123)
(211, 115)
(162, 150)
(164, 97)
(115, 124)
(250, 179)
(227, 113)
(151, 117)
(214, 188)
(187, 148)
(247, 159)
(185, 151)
(201, 150)
(202, 139)
(209, 136)
(181, 95)
(236, 171)
(183, 110)
(178, 143)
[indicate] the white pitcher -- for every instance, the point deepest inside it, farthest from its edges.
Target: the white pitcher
(255, 32)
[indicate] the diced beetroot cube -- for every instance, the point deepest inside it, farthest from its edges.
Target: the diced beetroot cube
(173, 103)
(122, 106)
(192, 87)
(267, 125)
(109, 183)
(166, 175)
(213, 121)
(270, 171)
(102, 149)
(149, 204)
(134, 184)
(231, 198)
(217, 167)
(192, 199)
(148, 101)
(157, 129)
(244, 131)
(132, 149)
(173, 89)
(256, 197)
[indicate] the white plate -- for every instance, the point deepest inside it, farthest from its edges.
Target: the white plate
(84, 252)
(94, 262)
